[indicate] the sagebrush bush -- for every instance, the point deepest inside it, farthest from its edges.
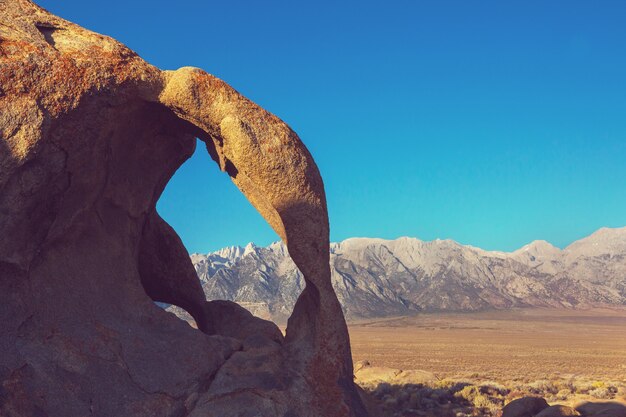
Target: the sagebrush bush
(515, 394)
(563, 394)
(444, 384)
(562, 385)
(468, 393)
(601, 393)
(493, 388)
(484, 402)
(582, 387)
(543, 387)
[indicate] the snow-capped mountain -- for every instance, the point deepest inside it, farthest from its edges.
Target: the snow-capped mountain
(377, 277)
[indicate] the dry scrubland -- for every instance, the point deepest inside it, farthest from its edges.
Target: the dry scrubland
(475, 363)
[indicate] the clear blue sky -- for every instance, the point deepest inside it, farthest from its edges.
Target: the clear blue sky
(492, 123)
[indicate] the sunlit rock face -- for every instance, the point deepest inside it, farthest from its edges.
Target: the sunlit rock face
(90, 135)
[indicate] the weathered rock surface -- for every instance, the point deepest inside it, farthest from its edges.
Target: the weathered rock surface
(538, 407)
(602, 409)
(90, 134)
(558, 411)
(524, 407)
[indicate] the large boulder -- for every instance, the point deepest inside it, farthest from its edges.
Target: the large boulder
(524, 407)
(602, 409)
(558, 411)
(89, 136)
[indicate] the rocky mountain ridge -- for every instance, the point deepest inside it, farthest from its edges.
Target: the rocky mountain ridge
(377, 277)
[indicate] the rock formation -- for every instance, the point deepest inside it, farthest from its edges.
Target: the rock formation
(524, 407)
(90, 135)
(538, 407)
(558, 411)
(602, 409)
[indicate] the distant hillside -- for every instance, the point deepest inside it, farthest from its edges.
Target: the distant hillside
(376, 277)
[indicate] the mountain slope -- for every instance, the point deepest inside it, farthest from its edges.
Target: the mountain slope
(377, 277)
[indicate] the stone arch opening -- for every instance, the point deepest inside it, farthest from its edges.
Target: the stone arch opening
(181, 205)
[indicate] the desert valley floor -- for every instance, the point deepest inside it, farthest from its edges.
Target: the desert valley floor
(515, 344)
(473, 364)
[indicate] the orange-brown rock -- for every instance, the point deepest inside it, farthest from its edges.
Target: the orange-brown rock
(90, 134)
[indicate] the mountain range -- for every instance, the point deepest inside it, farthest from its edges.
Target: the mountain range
(377, 277)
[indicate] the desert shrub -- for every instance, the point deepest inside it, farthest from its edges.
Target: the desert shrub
(515, 394)
(415, 400)
(521, 387)
(601, 393)
(562, 385)
(382, 389)
(493, 388)
(483, 401)
(598, 384)
(444, 384)
(543, 387)
(563, 394)
(390, 402)
(468, 393)
(582, 387)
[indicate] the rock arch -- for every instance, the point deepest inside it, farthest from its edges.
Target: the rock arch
(90, 135)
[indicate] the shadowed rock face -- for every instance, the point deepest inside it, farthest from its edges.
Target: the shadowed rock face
(90, 135)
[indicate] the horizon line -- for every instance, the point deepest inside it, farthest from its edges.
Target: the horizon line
(421, 240)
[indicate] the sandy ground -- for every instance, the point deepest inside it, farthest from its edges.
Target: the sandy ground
(519, 345)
